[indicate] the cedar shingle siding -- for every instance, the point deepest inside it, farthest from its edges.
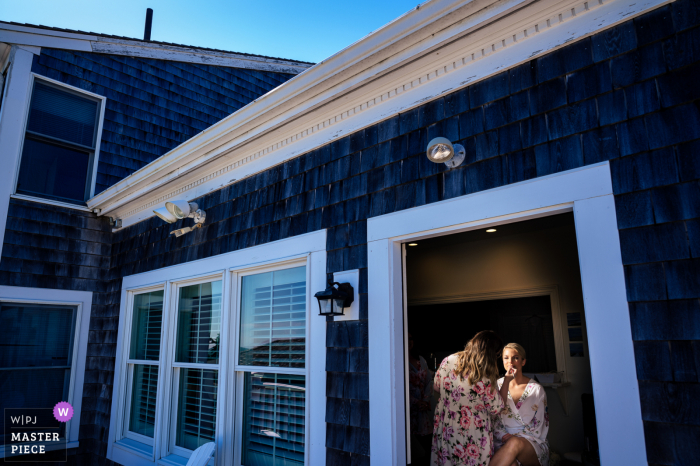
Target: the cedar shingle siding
(628, 95)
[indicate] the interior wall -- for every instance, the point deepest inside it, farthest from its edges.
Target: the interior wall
(516, 261)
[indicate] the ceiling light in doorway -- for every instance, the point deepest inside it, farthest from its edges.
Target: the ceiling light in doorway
(491, 230)
(413, 244)
(441, 150)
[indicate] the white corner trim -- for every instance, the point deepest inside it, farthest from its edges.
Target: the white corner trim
(12, 120)
(588, 192)
(219, 155)
(38, 37)
(83, 301)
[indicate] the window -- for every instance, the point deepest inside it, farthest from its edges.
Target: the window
(273, 336)
(37, 355)
(219, 350)
(43, 345)
(60, 145)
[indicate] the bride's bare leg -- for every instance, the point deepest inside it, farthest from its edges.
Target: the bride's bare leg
(515, 448)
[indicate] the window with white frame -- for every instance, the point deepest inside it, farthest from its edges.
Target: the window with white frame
(43, 349)
(271, 361)
(60, 149)
(176, 351)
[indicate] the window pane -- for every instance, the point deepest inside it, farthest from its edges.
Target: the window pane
(62, 115)
(32, 388)
(143, 400)
(196, 413)
(273, 319)
(273, 423)
(145, 328)
(53, 171)
(36, 335)
(199, 323)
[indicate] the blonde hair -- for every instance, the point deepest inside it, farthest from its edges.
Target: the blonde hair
(518, 348)
(480, 358)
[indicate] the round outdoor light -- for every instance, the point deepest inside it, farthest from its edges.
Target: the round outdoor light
(165, 215)
(181, 209)
(334, 299)
(441, 150)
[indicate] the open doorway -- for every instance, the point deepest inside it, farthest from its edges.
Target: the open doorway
(522, 281)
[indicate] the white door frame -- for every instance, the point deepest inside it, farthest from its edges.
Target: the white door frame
(587, 192)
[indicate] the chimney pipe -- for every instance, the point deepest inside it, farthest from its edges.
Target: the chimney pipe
(149, 21)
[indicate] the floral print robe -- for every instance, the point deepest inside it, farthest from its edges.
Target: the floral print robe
(463, 433)
(527, 419)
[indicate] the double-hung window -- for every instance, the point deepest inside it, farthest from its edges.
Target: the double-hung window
(60, 148)
(271, 362)
(43, 345)
(217, 357)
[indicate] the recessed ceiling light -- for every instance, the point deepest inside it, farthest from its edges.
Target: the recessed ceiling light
(491, 230)
(413, 244)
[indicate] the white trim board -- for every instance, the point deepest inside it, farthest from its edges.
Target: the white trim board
(308, 249)
(588, 192)
(39, 37)
(83, 301)
(472, 45)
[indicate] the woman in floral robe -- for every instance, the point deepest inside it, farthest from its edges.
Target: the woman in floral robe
(463, 433)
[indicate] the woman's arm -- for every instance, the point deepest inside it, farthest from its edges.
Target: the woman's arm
(506, 384)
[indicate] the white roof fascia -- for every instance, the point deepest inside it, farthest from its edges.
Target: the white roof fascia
(23, 35)
(332, 100)
(406, 37)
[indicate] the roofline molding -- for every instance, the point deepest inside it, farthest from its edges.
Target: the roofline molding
(439, 47)
(41, 37)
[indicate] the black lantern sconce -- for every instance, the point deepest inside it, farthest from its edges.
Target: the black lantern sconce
(333, 300)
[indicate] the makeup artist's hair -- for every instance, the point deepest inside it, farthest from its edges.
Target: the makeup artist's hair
(480, 358)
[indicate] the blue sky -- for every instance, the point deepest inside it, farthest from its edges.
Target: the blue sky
(309, 30)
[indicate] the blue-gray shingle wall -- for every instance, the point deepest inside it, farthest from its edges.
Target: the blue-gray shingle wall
(152, 105)
(601, 98)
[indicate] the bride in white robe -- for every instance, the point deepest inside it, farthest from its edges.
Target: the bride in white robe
(524, 417)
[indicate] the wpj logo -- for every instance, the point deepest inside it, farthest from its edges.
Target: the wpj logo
(36, 435)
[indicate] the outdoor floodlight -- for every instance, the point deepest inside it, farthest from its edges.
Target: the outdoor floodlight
(441, 150)
(163, 214)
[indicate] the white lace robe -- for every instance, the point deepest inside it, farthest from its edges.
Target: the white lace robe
(527, 419)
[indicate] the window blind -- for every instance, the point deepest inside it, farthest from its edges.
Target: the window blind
(143, 400)
(273, 319)
(199, 323)
(146, 326)
(196, 414)
(274, 419)
(63, 115)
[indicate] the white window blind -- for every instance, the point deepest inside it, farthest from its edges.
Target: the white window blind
(273, 319)
(144, 356)
(274, 419)
(196, 422)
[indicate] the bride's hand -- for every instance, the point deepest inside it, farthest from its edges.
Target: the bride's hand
(511, 373)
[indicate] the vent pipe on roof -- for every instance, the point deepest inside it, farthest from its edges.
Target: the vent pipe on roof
(149, 21)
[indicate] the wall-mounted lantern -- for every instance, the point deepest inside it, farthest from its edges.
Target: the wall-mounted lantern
(334, 299)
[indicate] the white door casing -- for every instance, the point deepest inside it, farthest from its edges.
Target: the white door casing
(586, 191)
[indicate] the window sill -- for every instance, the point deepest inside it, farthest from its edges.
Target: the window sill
(137, 448)
(50, 201)
(172, 460)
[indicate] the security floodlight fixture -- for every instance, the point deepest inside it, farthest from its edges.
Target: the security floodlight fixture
(334, 299)
(163, 214)
(441, 150)
(184, 209)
